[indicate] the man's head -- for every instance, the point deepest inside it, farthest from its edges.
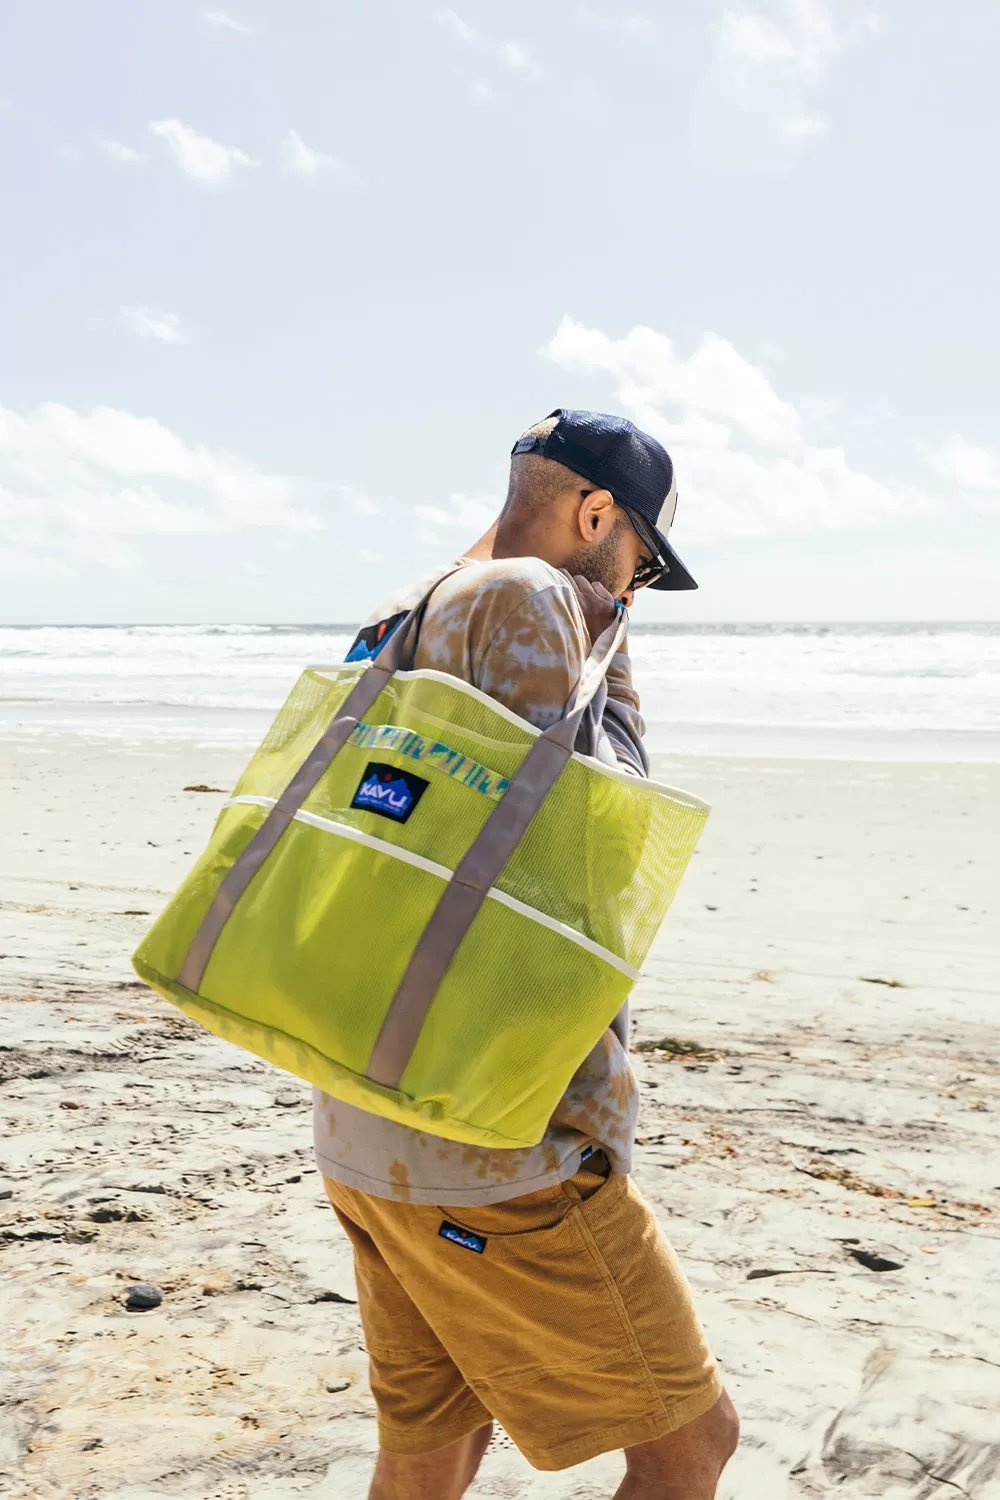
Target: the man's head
(585, 493)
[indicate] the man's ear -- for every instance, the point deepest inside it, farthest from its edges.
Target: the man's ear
(596, 515)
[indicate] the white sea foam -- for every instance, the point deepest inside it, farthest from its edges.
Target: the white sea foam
(908, 691)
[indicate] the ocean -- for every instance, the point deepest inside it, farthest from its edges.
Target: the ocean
(882, 692)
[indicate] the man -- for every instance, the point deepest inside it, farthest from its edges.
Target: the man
(532, 1285)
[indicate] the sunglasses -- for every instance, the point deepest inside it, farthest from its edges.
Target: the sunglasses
(654, 567)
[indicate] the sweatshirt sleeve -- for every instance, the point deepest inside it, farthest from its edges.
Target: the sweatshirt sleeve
(532, 659)
(622, 720)
(532, 662)
(517, 632)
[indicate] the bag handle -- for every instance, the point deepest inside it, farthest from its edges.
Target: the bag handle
(592, 674)
(393, 653)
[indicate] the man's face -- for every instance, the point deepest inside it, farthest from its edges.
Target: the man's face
(613, 560)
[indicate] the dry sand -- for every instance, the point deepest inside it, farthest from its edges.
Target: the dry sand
(826, 1165)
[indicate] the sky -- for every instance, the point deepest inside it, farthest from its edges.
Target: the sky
(280, 285)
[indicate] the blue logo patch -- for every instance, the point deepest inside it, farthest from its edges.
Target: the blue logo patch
(389, 792)
(463, 1237)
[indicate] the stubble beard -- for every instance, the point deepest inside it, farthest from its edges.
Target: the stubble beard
(599, 563)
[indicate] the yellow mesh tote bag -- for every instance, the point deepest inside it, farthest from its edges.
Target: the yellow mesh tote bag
(420, 903)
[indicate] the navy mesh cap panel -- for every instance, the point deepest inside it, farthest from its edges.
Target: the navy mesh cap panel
(613, 454)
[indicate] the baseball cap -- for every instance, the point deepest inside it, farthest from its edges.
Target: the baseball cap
(632, 466)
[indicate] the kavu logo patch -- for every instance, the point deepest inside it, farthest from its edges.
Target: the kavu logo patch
(389, 792)
(369, 642)
(463, 1237)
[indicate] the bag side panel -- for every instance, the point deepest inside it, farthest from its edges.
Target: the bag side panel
(521, 1007)
(320, 940)
(606, 857)
(164, 947)
(301, 1060)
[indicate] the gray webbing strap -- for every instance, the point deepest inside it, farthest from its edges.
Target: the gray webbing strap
(355, 706)
(480, 868)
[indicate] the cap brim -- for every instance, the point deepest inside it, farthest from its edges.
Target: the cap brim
(677, 575)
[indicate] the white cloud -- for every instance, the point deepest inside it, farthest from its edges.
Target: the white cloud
(636, 27)
(746, 463)
(482, 91)
(514, 56)
(468, 512)
(801, 127)
(800, 34)
(511, 54)
(471, 515)
(459, 29)
(90, 485)
(303, 160)
(119, 152)
(362, 505)
(754, 104)
(963, 463)
(753, 41)
(368, 556)
(198, 155)
(640, 27)
(149, 323)
(225, 21)
(714, 383)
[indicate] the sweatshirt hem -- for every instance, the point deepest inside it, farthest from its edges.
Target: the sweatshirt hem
(452, 1194)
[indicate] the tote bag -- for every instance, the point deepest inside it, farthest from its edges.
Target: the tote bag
(420, 903)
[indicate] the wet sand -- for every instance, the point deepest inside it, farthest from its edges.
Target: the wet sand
(824, 1160)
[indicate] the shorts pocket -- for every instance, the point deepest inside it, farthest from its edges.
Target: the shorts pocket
(533, 1213)
(537, 1301)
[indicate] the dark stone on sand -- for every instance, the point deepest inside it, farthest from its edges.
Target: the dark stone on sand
(873, 1259)
(143, 1296)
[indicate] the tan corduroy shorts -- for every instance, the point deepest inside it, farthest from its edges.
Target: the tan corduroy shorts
(563, 1314)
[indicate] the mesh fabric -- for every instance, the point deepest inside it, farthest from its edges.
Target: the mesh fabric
(306, 966)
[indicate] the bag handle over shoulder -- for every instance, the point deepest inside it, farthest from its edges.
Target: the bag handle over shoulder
(404, 638)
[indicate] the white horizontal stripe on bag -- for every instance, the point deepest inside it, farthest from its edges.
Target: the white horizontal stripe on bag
(431, 867)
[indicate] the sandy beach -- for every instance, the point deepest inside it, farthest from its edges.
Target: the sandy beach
(819, 1137)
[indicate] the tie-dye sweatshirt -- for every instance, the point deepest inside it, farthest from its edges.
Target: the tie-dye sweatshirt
(514, 629)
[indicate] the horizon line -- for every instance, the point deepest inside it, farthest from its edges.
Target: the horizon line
(346, 627)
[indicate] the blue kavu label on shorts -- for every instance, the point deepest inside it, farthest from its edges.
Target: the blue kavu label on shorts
(389, 792)
(463, 1237)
